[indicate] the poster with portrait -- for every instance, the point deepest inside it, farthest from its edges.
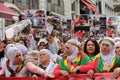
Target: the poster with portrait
(90, 25)
(66, 28)
(81, 26)
(37, 17)
(113, 26)
(97, 25)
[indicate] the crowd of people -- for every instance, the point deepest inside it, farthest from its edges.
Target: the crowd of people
(51, 58)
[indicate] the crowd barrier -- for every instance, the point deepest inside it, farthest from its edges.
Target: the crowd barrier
(97, 76)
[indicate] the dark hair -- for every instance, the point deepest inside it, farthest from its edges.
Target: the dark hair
(97, 47)
(38, 11)
(21, 39)
(4, 41)
(44, 44)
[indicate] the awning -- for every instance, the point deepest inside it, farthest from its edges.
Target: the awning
(91, 7)
(11, 5)
(6, 12)
(92, 2)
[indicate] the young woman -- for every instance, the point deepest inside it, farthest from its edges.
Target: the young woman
(16, 66)
(91, 48)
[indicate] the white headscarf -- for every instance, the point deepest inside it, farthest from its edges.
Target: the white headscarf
(109, 57)
(46, 52)
(22, 48)
(74, 49)
(51, 65)
(11, 53)
(116, 39)
(7, 47)
(42, 40)
(117, 43)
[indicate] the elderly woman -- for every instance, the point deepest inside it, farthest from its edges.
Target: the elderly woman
(33, 56)
(22, 48)
(15, 66)
(106, 60)
(74, 61)
(45, 61)
(117, 48)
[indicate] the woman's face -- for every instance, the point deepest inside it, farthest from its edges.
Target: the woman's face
(10, 40)
(42, 46)
(105, 48)
(44, 56)
(90, 47)
(18, 58)
(62, 48)
(67, 50)
(117, 49)
(22, 42)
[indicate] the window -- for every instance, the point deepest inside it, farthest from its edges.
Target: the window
(59, 2)
(1, 0)
(18, 1)
(56, 1)
(52, 1)
(48, 7)
(23, 1)
(49, 1)
(10, 1)
(73, 6)
(55, 6)
(35, 4)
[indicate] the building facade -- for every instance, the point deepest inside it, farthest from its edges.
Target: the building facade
(116, 5)
(88, 7)
(105, 7)
(17, 6)
(62, 8)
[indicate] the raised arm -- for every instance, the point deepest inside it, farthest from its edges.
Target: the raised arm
(33, 68)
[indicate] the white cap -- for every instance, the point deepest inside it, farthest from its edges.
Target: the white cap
(42, 40)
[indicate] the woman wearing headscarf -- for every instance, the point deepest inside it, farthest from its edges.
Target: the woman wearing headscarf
(117, 48)
(32, 56)
(16, 66)
(45, 61)
(106, 60)
(22, 48)
(75, 60)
